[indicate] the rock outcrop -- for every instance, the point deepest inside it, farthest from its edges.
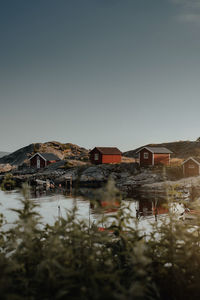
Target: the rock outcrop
(63, 151)
(5, 168)
(130, 179)
(18, 157)
(2, 153)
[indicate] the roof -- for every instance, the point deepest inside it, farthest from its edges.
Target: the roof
(157, 150)
(108, 150)
(195, 159)
(47, 156)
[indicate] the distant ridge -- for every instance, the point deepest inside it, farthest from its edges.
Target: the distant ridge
(63, 151)
(2, 153)
(180, 149)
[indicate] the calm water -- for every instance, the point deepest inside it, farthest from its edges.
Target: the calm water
(53, 205)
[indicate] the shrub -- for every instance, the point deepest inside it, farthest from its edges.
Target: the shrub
(174, 172)
(72, 260)
(36, 147)
(68, 164)
(8, 182)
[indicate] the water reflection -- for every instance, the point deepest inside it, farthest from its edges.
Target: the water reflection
(104, 207)
(40, 193)
(142, 208)
(151, 208)
(52, 205)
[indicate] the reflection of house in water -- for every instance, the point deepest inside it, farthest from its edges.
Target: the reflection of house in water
(110, 206)
(107, 206)
(144, 208)
(148, 208)
(160, 209)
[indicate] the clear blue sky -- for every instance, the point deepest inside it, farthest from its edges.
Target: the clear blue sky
(99, 72)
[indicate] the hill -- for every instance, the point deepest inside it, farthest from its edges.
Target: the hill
(2, 153)
(63, 151)
(180, 149)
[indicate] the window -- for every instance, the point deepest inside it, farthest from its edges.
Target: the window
(146, 155)
(191, 166)
(96, 156)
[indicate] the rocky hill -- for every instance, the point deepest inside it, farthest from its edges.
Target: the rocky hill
(63, 151)
(180, 149)
(2, 153)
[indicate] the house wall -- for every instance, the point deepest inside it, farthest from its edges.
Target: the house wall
(33, 161)
(104, 159)
(92, 156)
(145, 161)
(157, 158)
(163, 159)
(190, 168)
(110, 159)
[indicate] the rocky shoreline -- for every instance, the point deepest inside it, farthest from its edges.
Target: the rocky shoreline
(130, 179)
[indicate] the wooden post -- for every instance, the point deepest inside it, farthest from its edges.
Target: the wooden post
(59, 213)
(69, 184)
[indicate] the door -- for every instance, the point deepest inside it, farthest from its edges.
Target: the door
(38, 162)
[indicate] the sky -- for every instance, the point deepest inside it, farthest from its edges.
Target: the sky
(119, 73)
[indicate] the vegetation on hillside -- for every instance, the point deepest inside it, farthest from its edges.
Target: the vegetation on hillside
(74, 260)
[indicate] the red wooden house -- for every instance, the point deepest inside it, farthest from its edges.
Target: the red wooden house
(150, 156)
(105, 155)
(41, 160)
(191, 167)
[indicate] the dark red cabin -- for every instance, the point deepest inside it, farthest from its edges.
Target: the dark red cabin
(41, 160)
(105, 155)
(150, 156)
(191, 167)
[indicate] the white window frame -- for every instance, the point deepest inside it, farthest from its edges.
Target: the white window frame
(146, 155)
(96, 156)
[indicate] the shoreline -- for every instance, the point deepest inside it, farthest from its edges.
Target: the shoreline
(129, 179)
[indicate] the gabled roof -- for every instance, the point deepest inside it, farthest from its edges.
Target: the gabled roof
(195, 159)
(108, 150)
(46, 156)
(157, 150)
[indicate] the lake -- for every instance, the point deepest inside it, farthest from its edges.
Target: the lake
(52, 205)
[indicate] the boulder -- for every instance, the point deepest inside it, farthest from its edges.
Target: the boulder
(5, 168)
(95, 173)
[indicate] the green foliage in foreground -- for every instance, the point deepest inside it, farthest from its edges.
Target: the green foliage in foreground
(69, 260)
(8, 182)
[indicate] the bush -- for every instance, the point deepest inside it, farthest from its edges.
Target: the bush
(174, 173)
(8, 182)
(72, 260)
(36, 148)
(68, 164)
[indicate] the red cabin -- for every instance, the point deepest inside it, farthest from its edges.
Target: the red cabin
(105, 155)
(150, 156)
(41, 160)
(191, 167)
